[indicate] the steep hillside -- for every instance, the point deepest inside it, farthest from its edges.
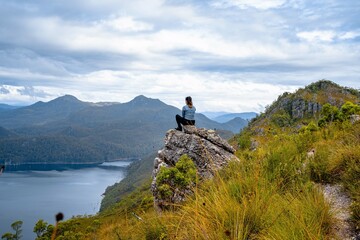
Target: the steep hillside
(4, 133)
(138, 174)
(53, 149)
(275, 191)
(305, 104)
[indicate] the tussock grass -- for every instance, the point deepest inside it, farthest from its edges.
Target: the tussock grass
(272, 193)
(338, 161)
(243, 202)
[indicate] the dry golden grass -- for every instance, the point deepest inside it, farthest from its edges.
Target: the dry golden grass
(269, 194)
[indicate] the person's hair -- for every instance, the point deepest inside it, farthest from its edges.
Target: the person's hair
(189, 101)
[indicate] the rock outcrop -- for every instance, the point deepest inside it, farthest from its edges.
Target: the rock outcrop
(308, 102)
(207, 150)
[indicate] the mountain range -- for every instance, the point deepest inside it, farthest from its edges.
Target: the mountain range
(223, 117)
(72, 131)
(5, 107)
(230, 116)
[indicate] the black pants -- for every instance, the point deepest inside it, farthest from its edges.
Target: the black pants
(180, 120)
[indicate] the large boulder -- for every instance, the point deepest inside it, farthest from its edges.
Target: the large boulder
(208, 151)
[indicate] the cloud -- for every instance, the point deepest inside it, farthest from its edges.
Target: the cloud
(232, 50)
(350, 35)
(32, 92)
(125, 24)
(327, 35)
(23, 95)
(314, 36)
(244, 4)
(4, 90)
(15, 58)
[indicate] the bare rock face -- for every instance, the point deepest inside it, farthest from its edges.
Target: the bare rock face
(207, 150)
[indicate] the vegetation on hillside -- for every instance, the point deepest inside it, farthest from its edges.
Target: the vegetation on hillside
(60, 148)
(306, 103)
(273, 193)
(138, 173)
(68, 130)
(16, 226)
(48, 149)
(173, 180)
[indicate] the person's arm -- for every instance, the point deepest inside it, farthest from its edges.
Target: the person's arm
(183, 112)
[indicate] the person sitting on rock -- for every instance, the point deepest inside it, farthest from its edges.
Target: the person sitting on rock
(188, 114)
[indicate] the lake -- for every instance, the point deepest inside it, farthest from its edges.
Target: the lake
(31, 195)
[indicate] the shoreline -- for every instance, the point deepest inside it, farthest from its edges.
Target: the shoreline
(33, 195)
(73, 163)
(62, 166)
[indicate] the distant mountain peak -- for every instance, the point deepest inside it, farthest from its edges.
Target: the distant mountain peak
(141, 98)
(67, 97)
(67, 100)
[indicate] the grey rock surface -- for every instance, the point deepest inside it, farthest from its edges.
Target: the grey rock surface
(207, 149)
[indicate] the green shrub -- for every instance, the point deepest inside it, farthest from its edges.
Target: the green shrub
(244, 140)
(16, 226)
(305, 140)
(349, 109)
(332, 113)
(181, 176)
(322, 122)
(165, 191)
(40, 228)
(281, 119)
(312, 127)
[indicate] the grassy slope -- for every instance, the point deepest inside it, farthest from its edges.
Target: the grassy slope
(270, 194)
(273, 193)
(137, 174)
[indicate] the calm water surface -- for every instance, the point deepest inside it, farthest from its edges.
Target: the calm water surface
(33, 195)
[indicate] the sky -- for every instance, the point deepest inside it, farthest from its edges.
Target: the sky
(229, 55)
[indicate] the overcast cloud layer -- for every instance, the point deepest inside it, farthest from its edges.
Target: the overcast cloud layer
(230, 55)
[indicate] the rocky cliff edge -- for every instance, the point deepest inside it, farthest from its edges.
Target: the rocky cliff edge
(208, 151)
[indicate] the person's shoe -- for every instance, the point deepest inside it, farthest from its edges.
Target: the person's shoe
(179, 129)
